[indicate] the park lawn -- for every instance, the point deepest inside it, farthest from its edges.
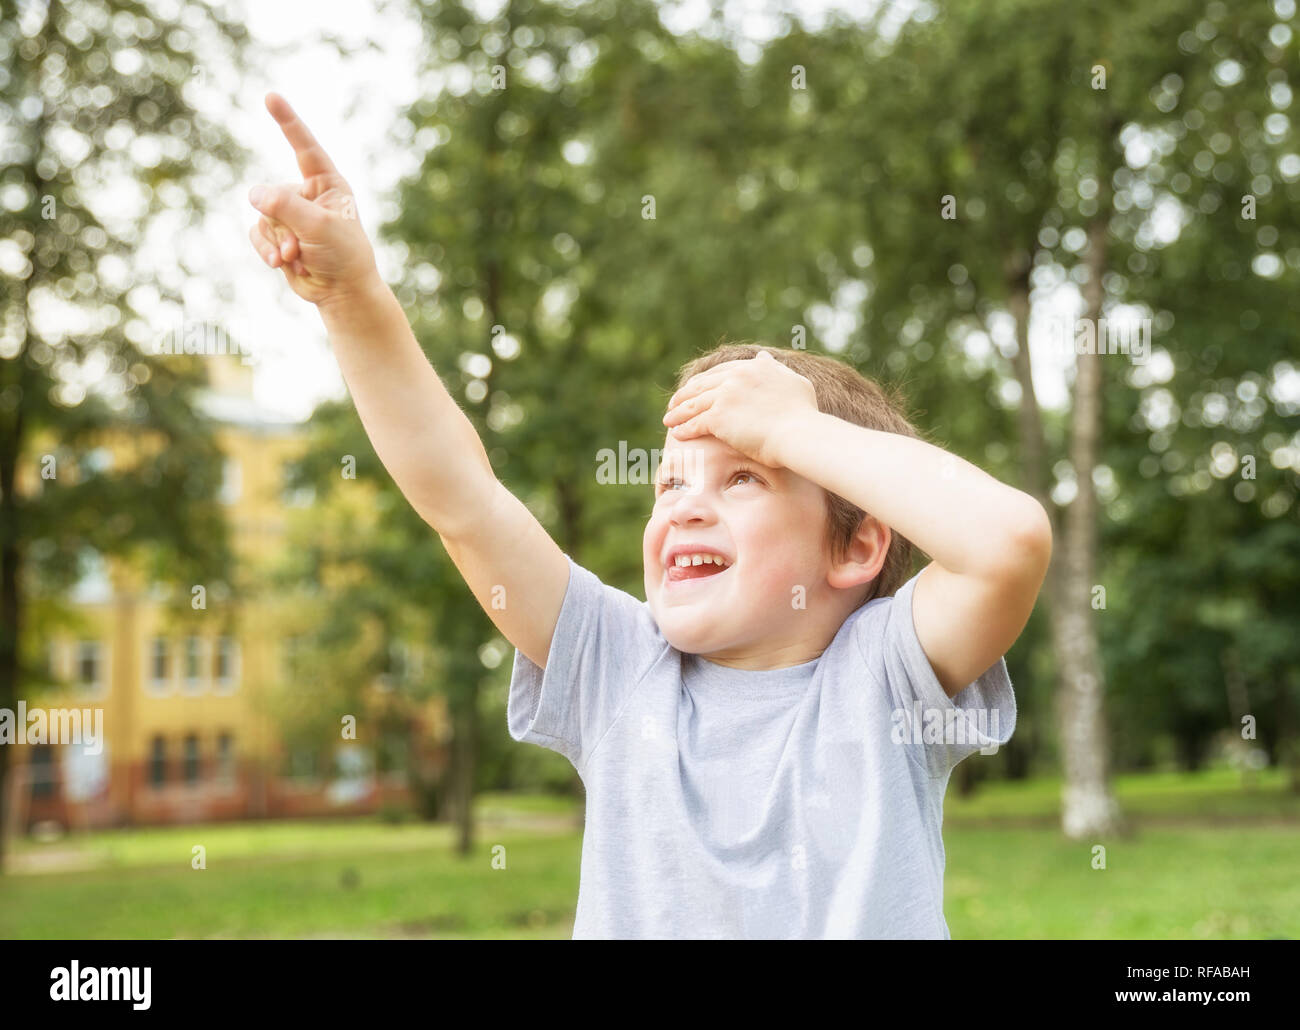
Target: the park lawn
(285, 838)
(367, 878)
(1161, 883)
(1210, 794)
(366, 892)
(1001, 883)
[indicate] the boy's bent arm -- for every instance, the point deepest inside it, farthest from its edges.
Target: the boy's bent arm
(510, 563)
(990, 542)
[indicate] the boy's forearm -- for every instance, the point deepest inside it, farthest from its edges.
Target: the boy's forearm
(967, 521)
(424, 440)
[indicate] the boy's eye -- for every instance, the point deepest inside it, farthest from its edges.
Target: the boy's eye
(668, 484)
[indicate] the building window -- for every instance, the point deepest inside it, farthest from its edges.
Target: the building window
(304, 763)
(191, 758)
(226, 757)
(43, 772)
(298, 496)
(193, 664)
(232, 482)
(93, 585)
(84, 776)
(158, 762)
(90, 666)
(227, 665)
(393, 754)
(159, 665)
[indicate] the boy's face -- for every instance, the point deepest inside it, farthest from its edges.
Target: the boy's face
(769, 525)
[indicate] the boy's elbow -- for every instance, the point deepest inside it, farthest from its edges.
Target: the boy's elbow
(1031, 538)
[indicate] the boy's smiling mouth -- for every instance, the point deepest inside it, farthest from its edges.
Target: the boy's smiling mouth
(690, 562)
(678, 574)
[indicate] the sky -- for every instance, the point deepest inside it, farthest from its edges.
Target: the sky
(349, 104)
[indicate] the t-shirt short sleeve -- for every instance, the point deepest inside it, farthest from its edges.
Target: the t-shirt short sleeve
(938, 730)
(604, 643)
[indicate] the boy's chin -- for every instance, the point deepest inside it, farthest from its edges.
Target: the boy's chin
(683, 637)
(688, 644)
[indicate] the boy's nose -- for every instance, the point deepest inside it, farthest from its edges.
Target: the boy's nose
(692, 506)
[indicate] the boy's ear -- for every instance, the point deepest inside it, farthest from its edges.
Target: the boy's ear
(865, 558)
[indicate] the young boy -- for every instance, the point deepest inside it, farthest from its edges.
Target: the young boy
(766, 740)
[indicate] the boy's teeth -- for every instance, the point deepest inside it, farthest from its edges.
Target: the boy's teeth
(684, 560)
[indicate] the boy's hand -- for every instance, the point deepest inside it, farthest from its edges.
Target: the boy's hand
(747, 404)
(311, 230)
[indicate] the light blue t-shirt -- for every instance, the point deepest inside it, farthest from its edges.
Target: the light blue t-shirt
(784, 803)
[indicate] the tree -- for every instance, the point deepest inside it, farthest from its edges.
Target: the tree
(1040, 155)
(96, 97)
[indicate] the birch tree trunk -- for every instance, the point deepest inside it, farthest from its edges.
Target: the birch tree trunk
(1087, 806)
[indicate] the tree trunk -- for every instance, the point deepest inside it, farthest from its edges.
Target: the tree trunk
(1033, 441)
(11, 600)
(967, 779)
(1238, 709)
(1286, 750)
(10, 623)
(1088, 808)
(465, 778)
(1017, 764)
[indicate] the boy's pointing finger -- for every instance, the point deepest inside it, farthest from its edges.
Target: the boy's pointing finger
(312, 159)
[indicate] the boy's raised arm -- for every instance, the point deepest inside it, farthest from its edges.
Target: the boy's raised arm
(515, 570)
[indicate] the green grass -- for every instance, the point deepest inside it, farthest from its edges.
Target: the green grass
(1160, 884)
(286, 839)
(387, 884)
(1207, 860)
(1220, 794)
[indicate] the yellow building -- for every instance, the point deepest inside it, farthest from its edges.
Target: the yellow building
(189, 728)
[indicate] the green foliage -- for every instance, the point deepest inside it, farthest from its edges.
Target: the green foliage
(557, 314)
(97, 99)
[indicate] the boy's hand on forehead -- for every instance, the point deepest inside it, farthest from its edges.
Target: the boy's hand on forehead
(747, 404)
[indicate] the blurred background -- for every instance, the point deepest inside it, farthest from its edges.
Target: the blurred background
(1070, 234)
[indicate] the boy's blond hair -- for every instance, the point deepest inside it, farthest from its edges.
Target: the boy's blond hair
(844, 392)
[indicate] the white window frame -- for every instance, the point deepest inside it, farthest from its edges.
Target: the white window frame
(232, 482)
(152, 685)
(184, 780)
(229, 684)
(149, 759)
(193, 686)
(99, 686)
(226, 776)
